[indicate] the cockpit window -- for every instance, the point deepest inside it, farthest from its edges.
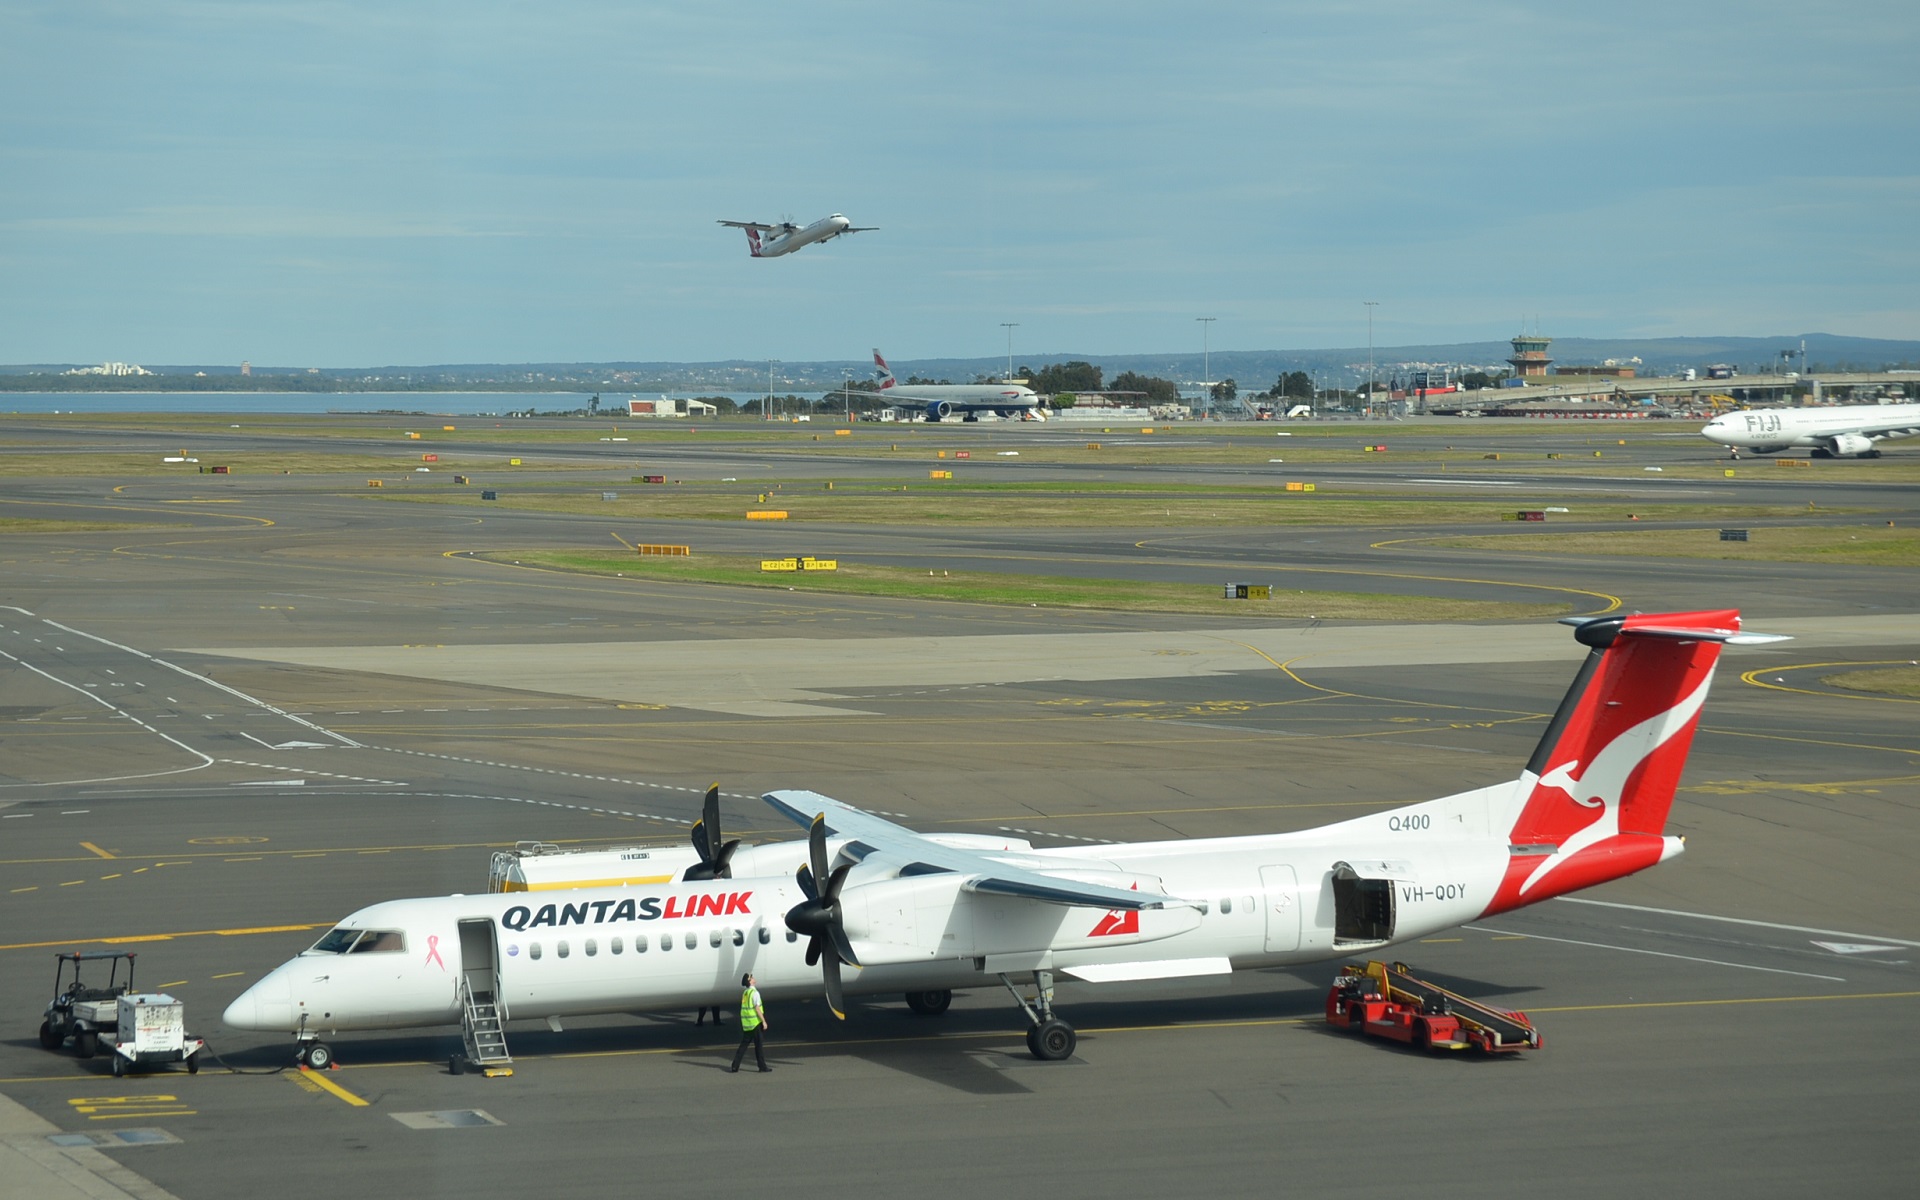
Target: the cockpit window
(337, 941)
(361, 941)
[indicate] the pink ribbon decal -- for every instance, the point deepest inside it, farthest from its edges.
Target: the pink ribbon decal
(433, 951)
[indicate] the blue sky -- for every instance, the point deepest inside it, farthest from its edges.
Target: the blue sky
(303, 182)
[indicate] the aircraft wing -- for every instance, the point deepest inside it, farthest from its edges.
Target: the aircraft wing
(918, 855)
(851, 229)
(1890, 429)
(754, 225)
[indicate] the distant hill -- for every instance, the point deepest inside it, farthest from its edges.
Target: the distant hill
(1252, 369)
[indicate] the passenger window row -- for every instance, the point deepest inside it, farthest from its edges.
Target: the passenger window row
(691, 940)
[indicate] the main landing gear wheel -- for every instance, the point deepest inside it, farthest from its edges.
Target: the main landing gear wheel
(1052, 1041)
(1049, 1039)
(929, 1004)
(319, 1056)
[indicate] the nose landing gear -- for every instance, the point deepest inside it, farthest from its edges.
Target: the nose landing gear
(1049, 1038)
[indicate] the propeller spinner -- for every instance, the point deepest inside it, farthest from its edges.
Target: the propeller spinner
(716, 856)
(819, 916)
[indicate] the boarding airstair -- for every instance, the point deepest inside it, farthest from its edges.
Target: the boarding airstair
(483, 1030)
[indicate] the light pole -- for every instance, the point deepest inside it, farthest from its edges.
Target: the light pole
(1009, 326)
(766, 406)
(1371, 305)
(1206, 367)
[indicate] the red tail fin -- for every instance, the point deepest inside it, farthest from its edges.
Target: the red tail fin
(753, 243)
(1603, 777)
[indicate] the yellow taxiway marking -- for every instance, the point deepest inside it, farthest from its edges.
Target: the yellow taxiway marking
(176, 983)
(320, 1079)
(165, 937)
(96, 849)
(230, 975)
(1753, 677)
(223, 854)
(1510, 937)
(1568, 1008)
(108, 1108)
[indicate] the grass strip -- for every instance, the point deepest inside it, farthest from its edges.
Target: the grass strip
(1891, 681)
(1116, 506)
(1865, 545)
(1044, 591)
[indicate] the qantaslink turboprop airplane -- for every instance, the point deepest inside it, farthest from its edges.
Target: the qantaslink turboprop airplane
(873, 907)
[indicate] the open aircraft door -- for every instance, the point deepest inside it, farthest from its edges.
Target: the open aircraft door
(1363, 908)
(480, 962)
(1282, 890)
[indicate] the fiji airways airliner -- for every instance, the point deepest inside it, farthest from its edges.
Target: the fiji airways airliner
(1844, 431)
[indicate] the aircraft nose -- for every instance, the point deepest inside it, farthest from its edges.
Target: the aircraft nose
(268, 1004)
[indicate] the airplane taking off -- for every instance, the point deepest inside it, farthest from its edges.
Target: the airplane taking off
(1846, 431)
(788, 237)
(924, 915)
(971, 399)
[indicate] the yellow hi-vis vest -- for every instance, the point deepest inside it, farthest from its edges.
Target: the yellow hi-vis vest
(750, 1010)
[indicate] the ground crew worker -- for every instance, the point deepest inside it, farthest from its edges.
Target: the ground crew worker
(753, 1025)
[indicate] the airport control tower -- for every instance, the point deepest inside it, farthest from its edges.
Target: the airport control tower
(1530, 355)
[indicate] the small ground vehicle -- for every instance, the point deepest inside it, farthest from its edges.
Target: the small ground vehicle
(84, 1013)
(152, 1029)
(136, 1028)
(1384, 999)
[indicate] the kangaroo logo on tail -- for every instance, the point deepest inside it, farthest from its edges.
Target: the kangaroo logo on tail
(753, 242)
(1603, 782)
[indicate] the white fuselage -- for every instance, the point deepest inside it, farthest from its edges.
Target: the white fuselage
(786, 243)
(1264, 901)
(1769, 430)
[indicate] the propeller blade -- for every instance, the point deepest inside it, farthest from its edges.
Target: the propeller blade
(813, 952)
(842, 948)
(707, 844)
(804, 878)
(834, 881)
(817, 846)
(835, 999)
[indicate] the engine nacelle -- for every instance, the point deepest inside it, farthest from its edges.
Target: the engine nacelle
(938, 410)
(1846, 445)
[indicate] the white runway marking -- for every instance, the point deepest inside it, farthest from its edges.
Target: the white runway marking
(1713, 962)
(1674, 912)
